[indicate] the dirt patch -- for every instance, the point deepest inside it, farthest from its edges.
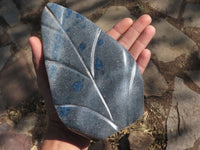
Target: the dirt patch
(34, 105)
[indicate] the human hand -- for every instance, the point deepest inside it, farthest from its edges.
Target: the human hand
(134, 36)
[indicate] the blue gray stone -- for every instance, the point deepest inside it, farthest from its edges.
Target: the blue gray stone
(96, 85)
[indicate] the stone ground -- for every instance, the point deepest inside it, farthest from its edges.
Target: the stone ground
(171, 82)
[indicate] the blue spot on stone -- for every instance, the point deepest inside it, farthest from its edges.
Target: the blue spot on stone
(83, 26)
(82, 46)
(52, 71)
(62, 111)
(98, 64)
(67, 98)
(54, 8)
(68, 29)
(54, 101)
(78, 86)
(106, 77)
(57, 45)
(100, 42)
(102, 72)
(79, 16)
(54, 54)
(69, 12)
(78, 74)
(53, 68)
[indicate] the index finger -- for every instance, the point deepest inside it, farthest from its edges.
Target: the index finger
(120, 28)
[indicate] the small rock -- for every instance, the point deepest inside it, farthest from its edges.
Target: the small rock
(154, 83)
(19, 34)
(191, 15)
(169, 42)
(139, 140)
(34, 148)
(113, 15)
(26, 124)
(101, 145)
(124, 143)
(9, 12)
(169, 7)
(5, 53)
(184, 118)
(13, 141)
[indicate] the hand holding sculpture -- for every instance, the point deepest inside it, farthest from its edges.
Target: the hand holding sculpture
(95, 83)
(134, 36)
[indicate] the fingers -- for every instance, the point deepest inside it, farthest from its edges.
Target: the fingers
(120, 28)
(37, 51)
(142, 41)
(135, 36)
(143, 59)
(134, 31)
(38, 60)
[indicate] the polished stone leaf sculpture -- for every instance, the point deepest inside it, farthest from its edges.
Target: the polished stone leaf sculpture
(95, 83)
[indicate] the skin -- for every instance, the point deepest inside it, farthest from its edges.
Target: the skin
(134, 36)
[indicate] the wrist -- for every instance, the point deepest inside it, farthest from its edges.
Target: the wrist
(59, 135)
(57, 145)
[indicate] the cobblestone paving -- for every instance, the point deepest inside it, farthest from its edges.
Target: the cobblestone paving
(171, 81)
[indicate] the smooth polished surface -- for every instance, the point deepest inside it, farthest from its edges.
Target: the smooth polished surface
(95, 83)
